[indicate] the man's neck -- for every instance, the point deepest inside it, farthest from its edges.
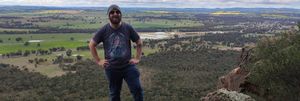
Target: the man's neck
(115, 26)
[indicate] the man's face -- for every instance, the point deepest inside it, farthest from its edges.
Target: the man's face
(115, 16)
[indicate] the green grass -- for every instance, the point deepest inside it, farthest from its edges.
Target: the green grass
(87, 54)
(83, 25)
(7, 29)
(153, 23)
(275, 16)
(46, 68)
(49, 41)
(50, 71)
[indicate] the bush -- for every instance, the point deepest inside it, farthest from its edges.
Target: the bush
(30, 61)
(19, 39)
(78, 57)
(26, 43)
(38, 44)
(275, 67)
(26, 53)
(72, 38)
(298, 25)
(68, 60)
(69, 52)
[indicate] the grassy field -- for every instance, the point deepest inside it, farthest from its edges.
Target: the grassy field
(227, 13)
(46, 68)
(10, 44)
(48, 41)
(166, 24)
(275, 16)
(8, 29)
(52, 70)
(81, 19)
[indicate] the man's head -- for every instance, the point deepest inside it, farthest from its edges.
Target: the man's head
(114, 14)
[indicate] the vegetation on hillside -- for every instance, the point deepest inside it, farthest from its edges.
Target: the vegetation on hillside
(275, 67)
(170, 75)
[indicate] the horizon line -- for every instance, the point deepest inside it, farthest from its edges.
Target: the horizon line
(149, 7)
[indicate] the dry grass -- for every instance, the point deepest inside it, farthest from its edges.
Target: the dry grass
(227, 13)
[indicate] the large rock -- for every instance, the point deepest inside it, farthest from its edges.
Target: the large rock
(233, 80)
(225, 95)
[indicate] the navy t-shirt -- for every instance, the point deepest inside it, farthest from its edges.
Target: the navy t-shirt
(116, 43)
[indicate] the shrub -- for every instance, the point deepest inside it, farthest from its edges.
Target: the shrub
(275, 67)
(26, 43)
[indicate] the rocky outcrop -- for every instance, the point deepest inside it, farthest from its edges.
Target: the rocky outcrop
(230, 85)
(233, 80)
(225, 95)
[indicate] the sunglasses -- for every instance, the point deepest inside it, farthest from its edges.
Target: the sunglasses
(113, 12)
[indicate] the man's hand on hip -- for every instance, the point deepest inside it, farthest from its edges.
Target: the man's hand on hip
(103, 63)
(134, 61)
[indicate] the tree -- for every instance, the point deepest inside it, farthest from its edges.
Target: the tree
(26, 43)
(72, 38)
(58, 59)
(1, 41)
(275, 67)
(62, 48)
(78, 57)
(69, 52)
(26, 53)
(19, 39)
(30, 61)
(38, 44)
(176, 36)
(298, 24)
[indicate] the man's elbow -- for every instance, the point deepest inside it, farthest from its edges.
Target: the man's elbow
(92, 44)
(139, 43)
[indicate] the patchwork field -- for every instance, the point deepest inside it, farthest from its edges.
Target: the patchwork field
(44, 53)
(74, 40)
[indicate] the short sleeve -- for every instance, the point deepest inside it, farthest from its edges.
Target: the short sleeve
(133, 34)
(98, 36)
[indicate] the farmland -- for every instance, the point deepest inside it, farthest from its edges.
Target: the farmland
(185, 50)
(47, 41)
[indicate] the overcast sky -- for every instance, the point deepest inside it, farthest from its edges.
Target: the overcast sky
(160, 3)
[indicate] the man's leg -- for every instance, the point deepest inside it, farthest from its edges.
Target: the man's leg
(115, 83)
(131, 76)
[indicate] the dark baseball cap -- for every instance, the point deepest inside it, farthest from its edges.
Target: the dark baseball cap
(113, 7)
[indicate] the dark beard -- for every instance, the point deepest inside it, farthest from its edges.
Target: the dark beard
(115, 20)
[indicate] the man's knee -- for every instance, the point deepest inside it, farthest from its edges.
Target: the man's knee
(137, 90)
(138, 94)
(114, 95)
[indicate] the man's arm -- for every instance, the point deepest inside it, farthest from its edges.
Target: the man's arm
(92, 46)
(139, 45)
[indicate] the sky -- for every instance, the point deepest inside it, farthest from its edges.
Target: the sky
(160, 3)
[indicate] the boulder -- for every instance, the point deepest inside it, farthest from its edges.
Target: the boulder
(225, 95)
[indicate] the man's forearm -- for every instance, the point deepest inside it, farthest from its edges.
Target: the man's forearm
(94, 52)
(139, 49)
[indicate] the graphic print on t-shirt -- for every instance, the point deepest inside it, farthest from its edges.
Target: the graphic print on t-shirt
(117, 46)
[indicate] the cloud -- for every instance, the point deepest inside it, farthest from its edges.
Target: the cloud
(160, 3)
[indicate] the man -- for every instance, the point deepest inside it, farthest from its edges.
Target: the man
(118, 64)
